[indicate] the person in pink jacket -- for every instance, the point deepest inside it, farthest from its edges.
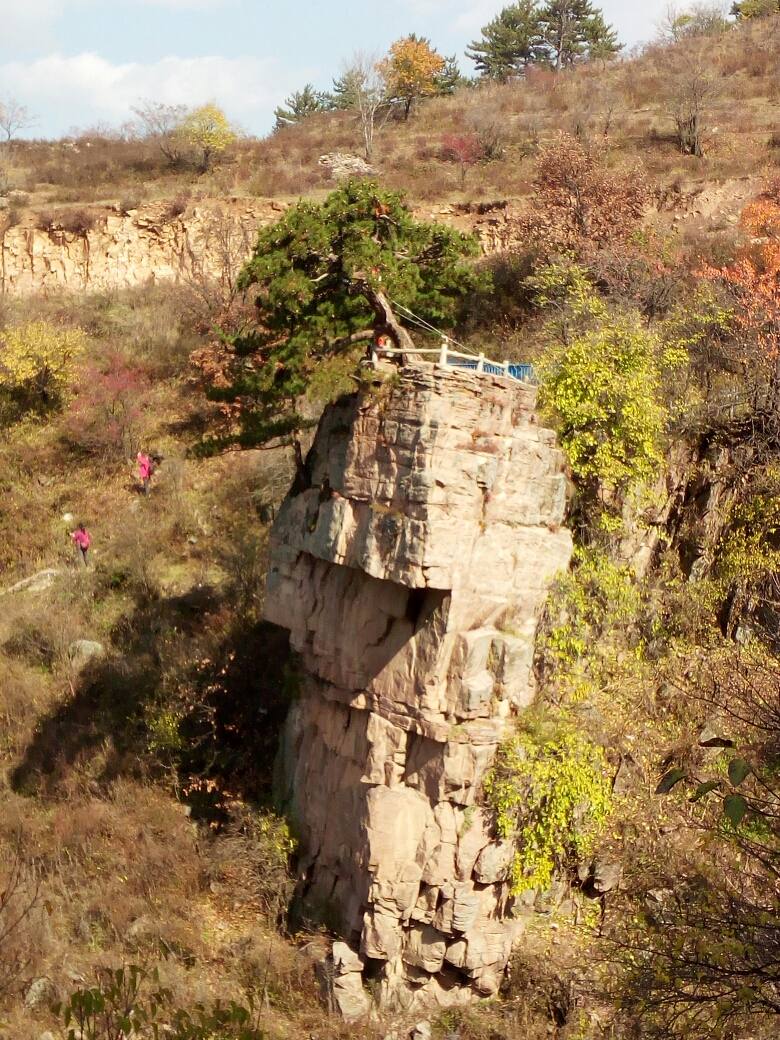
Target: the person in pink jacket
(81, 537)
(144, 470)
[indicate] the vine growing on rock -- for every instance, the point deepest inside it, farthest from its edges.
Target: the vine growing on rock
(587, 605)
(747, 557)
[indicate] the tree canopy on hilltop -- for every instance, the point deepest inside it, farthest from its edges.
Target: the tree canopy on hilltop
(510, 42)
(557, 35)
(755, 8)
(300, 104)
(415, 70)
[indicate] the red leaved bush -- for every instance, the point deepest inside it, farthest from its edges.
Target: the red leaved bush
(753, 280)
(466, 149)
(107, 413)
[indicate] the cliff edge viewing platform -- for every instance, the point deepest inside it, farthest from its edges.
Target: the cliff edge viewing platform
(449, 358)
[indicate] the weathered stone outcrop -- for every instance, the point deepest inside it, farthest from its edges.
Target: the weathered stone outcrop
(408, 562)
(209, 240)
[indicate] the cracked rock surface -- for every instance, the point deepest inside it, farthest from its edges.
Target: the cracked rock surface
(409, 562)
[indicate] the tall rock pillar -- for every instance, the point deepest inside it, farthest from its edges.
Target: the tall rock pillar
(409, 562)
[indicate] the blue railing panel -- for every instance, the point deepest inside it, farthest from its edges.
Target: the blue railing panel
(524, 373)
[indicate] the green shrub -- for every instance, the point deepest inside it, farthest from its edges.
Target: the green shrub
(593, 611)
(597, 594)
(748, 555)
(38, 359)
(549, 794)
(601, 382)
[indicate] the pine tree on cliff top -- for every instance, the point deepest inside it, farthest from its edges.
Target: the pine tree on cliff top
(325, 277)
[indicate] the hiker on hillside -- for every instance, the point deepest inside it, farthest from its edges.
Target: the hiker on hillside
(81, 537)
(145, 470)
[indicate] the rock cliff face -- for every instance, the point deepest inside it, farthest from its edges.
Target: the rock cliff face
(408, 562)
(210, 240)
(149, 244)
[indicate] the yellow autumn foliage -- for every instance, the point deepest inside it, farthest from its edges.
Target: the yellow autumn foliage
(208, 130)
(412, 70)
(39, 357)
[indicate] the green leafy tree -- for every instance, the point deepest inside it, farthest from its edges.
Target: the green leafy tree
(600, 380)
(324, 278)
(538, 788)
(509, 43)
(574, 30)
(300, 104)
(37, 361)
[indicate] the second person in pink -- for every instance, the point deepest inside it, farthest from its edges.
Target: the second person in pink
(144, 471)
(81, 537)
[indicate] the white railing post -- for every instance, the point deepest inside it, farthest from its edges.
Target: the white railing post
(506, 367)
(443, 352)
(481, 363)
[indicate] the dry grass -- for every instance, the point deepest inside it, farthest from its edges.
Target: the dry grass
(628, 105)
(120, 868)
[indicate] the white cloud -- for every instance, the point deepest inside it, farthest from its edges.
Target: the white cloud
(27, 23)
(86, 88)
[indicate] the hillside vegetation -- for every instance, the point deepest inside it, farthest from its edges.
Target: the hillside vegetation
(631, 106)
(136, 820)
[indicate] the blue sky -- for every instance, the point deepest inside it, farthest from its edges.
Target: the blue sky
(80, 62)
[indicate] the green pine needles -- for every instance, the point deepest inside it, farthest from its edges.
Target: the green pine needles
(549, 795)
(316, 275)
(554, 35)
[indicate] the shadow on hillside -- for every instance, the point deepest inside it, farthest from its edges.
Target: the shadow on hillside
(227, 708)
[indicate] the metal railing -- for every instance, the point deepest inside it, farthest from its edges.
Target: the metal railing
(449, 358)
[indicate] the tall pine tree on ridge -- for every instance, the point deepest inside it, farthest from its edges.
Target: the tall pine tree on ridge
(555, 35)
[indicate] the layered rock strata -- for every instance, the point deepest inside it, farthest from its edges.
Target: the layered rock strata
(409, 561)
(209, 241)
(121, 251)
